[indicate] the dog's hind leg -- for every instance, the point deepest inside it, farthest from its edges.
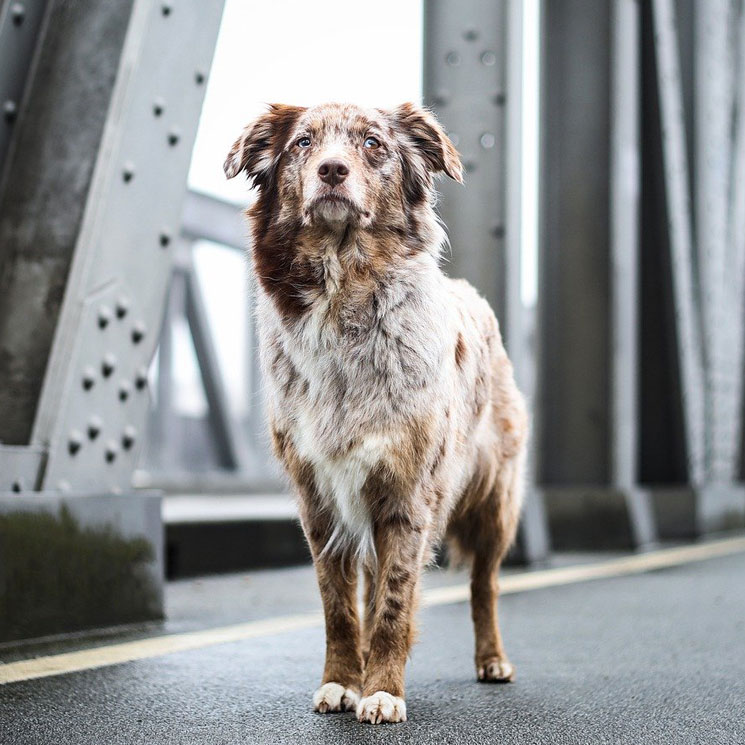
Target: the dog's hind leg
(484, 532)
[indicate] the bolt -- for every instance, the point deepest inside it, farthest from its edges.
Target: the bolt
(108, 364)
(74, 442)
(487, 140)
(122, 307)
(94, 427)
(158, 106)
(453, 59)
(128, 437)
(124, 389)
(10, 111)
(173, 137)
(138, 333)
(165, 238)
(199, 77)
(166, 9)
(128, 173)
(17, 13)
(141, 379)
(489, 59)
(471, 34)
(89, 378)
(111, 450)
(104, 316)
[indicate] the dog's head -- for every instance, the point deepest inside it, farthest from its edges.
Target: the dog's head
(335, 165)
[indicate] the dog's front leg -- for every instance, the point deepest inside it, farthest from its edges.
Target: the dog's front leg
(399, 547)
(342, 675)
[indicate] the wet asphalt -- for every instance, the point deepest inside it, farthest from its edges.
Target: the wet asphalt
(653, 658)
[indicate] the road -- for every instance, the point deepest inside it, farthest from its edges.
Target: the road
(656, 657)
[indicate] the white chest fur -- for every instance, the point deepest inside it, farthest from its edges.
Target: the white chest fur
(340, 480)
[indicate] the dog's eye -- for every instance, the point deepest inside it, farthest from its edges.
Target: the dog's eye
(303, 142)
(372, 143)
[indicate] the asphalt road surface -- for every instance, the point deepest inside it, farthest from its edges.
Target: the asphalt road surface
(650, 658)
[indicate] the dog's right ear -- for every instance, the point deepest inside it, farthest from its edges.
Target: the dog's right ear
(258, 149)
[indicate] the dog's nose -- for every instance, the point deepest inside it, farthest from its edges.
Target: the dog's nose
(333, 172)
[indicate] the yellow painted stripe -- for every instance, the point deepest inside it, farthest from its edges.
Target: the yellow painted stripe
(113, 654)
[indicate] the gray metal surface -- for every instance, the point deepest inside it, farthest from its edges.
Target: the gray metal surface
(47, 181)
(465, 83)
(20, 23)
(655, 659)
(575, 280)
(713, 97)
(675, 161)
(96, 378)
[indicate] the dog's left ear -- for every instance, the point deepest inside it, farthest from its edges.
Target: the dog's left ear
(259, 147)
(429, 139)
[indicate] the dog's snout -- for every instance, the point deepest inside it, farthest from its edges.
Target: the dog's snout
(333, 172)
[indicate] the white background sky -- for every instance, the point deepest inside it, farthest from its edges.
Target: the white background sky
(302, 53)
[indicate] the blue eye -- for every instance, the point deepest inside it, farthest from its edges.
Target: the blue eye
(303, 142)
(372, 143)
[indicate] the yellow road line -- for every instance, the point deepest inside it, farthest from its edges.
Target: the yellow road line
(113, 654)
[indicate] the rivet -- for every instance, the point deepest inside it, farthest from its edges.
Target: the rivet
(489, 59)
(104, 316)
(487, 140)
(199, 77)
(74, 442)
(89, 378)
(471, 34)
(141, 379)
(17, 13)
(166, 9)
(124, 390)
(452, 58)
(164, 238)
(111, 450)
(128, 173)
(10, 111)
(138, 333)
(122, 307)
(173, 137)
(94, 427)
(108, 365)
(17, 486)
(128, 437)
(159, 106)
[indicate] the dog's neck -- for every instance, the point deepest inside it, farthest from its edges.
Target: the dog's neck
(344, 262)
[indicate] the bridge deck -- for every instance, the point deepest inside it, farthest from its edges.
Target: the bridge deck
(652, 657)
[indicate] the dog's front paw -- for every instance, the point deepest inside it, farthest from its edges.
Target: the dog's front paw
(496, 671)
(381, 707)
(335, 697)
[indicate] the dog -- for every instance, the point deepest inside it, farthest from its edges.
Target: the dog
(391, 400)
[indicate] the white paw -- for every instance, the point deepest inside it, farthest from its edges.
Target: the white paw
(496, 671)
(381, 707)
(335, 697)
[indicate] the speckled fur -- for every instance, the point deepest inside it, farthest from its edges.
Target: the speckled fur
(391, 399)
